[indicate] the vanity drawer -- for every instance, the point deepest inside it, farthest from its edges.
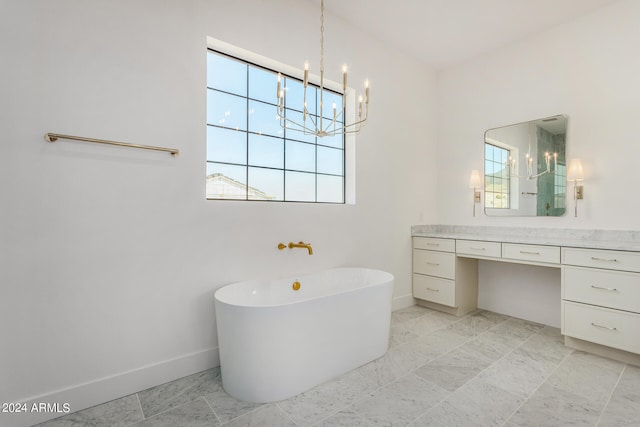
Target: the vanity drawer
(478, 248)
(536, 253)
(606, 288)
(434, 289)
(440, 264)
(599, 258)
(434, 244)
(617, 329)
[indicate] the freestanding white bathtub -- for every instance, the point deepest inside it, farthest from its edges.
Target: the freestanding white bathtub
(276, 342)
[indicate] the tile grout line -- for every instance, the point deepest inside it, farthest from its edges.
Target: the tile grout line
(286, 414)
(539, 385)
(369, 394)
(144, 417)
(434, 405)
(262, 405)
(366, 395)
(164, 411)
(469, 339)
(336, 413)
(380, 387)
(448, 351)
(212, 410)
(494, 362)
(472, 338)
(611, 394)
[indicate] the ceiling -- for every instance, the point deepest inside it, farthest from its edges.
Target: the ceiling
(442, 33)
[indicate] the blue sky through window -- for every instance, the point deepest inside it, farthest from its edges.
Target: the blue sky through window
(250, 156)
(497, 179)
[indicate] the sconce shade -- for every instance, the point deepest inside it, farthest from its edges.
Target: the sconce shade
(475, 181)
(575, 172)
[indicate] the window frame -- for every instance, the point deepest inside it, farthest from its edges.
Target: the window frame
(347, 146)
(508, 178)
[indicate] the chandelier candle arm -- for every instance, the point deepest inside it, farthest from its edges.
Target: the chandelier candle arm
(366, 91)
(280, 94)
(511, 165)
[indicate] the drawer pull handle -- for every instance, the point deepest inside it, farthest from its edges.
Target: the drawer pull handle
(604, 259)
(434, 290)
(433, 263)
(433, 244)
(477, 249)
(604, 289)
(530, 253)
(603, 327)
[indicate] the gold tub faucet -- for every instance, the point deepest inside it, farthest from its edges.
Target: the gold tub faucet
(292, 245)
(301, 245)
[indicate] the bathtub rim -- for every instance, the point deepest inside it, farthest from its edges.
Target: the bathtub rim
(384, 278)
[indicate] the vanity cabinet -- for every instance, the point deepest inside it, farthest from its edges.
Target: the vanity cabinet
(601, 297)
(440, 279)
(600, 278)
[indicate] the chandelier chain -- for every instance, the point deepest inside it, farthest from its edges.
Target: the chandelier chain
(322, 35)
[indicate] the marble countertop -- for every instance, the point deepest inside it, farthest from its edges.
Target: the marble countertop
(622, 240)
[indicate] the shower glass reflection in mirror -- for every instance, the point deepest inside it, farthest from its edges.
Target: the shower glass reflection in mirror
(525, 168)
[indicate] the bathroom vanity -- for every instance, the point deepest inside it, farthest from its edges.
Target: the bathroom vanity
(600, 277)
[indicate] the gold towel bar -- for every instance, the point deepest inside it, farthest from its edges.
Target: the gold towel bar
(53, 137)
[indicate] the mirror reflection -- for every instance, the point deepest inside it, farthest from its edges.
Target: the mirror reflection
(525, 172)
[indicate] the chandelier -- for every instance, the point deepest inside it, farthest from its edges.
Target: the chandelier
(528, 159)
(312, 125)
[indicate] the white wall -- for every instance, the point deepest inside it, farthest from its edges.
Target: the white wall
(110, 256)
(586, 69)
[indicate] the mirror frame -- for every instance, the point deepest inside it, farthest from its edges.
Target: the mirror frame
(526, 175)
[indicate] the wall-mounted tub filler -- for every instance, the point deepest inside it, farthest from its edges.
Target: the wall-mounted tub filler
(292, 245)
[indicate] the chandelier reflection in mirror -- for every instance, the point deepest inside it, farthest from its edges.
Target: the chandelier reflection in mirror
(312, 125)
(528, 159)
(510, 163)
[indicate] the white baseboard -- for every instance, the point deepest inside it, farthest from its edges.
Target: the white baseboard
(95, 392)
(102, 390)
(402, 302)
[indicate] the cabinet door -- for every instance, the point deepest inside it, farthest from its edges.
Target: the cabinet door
(610, 260)
(432, 263)
(606, 288)
(434, 244)
(478, 248)
(434, 289)
(533, 253)
(613, 328)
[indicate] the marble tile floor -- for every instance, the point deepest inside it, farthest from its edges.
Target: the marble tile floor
(484, 369)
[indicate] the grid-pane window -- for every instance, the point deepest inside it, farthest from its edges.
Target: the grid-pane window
(250, 156)
(496, 177)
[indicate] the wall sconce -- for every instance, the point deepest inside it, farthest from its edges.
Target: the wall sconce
(476, 184)
(576, 174)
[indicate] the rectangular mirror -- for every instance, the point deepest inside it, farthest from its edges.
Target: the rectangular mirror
(525, 168)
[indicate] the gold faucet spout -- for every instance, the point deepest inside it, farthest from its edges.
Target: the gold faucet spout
(301, 245)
